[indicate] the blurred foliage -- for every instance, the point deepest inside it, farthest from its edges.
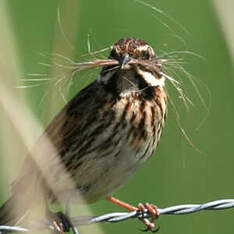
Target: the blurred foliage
(179, 173)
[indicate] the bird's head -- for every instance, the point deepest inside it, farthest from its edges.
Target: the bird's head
(128, 49)
(133, 68)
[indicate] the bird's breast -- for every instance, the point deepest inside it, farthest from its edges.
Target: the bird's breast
(141, 121)
(126, 135)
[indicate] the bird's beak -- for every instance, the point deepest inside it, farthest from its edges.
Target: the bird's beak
(125, 59)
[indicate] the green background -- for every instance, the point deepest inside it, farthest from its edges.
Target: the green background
(178, 173)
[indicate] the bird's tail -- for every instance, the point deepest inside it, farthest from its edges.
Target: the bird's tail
(23, 197)
(13, 209)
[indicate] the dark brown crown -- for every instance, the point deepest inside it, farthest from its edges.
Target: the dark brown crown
(135, 48)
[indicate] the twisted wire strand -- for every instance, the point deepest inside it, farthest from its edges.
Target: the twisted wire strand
(121, 216)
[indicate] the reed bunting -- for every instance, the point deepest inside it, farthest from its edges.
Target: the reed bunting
(100, 137)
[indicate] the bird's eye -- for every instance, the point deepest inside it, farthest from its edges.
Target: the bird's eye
(114, 54)
(147, 55)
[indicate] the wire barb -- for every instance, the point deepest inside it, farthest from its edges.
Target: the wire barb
(121, 216)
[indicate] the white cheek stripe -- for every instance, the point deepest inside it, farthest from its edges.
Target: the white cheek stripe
(150, 79)
(105, 78)
(99, 79)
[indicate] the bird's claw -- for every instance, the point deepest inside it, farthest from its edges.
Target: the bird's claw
(153, 210)
(151, 230)
(61, 223)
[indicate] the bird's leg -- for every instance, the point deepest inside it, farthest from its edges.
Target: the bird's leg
(60, 221)
(152, 209)
(67, 212)
(67, 207)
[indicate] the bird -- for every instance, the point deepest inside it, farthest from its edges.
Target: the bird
(100, 137)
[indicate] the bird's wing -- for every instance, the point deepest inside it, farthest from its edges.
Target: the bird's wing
(65, 133)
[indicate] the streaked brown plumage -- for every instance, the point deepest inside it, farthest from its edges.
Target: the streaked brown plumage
(102, 135)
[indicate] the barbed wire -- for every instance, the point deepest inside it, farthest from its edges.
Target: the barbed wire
(121, 216)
